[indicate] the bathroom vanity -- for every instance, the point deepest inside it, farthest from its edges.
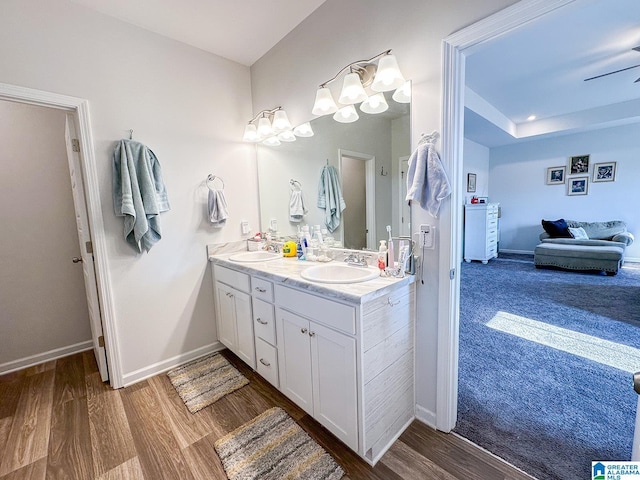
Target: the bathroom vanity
(343, 352)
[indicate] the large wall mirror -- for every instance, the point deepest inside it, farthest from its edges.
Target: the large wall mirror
(371, 157)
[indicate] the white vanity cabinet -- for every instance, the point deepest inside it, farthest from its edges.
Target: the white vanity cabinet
(233, 313)
(346, 358)
(318, 372)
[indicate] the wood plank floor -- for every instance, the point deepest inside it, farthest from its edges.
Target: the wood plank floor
(59, 421)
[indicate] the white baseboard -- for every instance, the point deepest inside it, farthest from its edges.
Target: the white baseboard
(521, 252)
(44, 357)
(166, 365)
(426, 416)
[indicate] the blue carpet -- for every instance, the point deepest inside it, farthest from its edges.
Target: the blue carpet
(547, 412)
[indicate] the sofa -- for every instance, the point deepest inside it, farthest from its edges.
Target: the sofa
(573, 245)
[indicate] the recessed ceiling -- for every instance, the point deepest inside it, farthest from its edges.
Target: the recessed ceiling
(540, 69)
(242, 31)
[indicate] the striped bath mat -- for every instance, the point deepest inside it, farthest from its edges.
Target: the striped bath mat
(205, 380)
(273, 446)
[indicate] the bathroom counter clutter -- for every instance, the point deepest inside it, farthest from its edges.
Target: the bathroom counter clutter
(343, 352)
(288, 271)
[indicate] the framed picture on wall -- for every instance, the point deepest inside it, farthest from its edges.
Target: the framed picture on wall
(471, 182)
(579, 164)
(578, 186)
(604, 172)
(555, 175)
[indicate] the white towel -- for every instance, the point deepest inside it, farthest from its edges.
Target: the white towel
(218, 212)
(297, 207)
(427, 182)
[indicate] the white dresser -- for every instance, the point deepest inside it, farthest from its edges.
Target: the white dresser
(481, 231)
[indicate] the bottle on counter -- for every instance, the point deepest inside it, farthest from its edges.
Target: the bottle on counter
(382, 256)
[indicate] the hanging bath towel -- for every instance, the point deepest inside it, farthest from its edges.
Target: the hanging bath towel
(297, 208)
(330, 197)
(139, 194)
(427, 182)
(218, 212)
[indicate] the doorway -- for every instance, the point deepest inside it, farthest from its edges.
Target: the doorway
(358, 172)
(93, 251)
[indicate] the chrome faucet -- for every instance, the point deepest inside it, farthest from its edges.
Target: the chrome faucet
(357, 259)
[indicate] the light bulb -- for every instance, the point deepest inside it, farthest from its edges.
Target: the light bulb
(375, 104)
(281, 121)
(303, 130)
(346, 114)
(352, 90)
(264, 127)
(324, 104)
(388, 76)
(250, 133)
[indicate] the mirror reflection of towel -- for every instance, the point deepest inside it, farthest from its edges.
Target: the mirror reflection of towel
(218, 212)
(297, 208)
(330, 197)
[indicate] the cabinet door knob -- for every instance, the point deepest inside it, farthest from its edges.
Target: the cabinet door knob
(266, 364)
(303, 330)
(261, 290)
(261, 322)
(392, 304)
(312, 334)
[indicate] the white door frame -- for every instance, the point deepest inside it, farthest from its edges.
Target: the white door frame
(80, 108)
(370, 185)
(455, 47)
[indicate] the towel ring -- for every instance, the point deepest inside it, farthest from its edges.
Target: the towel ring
(210, 182)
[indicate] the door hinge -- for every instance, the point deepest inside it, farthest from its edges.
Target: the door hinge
(101, 341)
(88, 246)
(75, 145)
(452, 274)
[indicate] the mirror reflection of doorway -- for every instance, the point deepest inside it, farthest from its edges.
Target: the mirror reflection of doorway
(404, 213)
(357, 177)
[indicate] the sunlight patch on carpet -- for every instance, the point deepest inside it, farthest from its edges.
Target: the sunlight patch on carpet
(608, 353)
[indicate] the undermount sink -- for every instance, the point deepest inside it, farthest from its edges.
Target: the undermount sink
(339, 273)
(257, 256)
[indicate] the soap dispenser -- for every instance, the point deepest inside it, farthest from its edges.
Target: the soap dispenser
(382, 256)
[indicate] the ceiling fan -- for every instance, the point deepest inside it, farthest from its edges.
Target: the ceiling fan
(637, 49)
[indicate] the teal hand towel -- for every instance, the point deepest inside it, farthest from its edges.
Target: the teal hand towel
(139, 193)
(330, 197)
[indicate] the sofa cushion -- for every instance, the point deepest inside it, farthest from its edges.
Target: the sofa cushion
(600, 230)
(578, 233)
(556, 228)
(589, 242)
(580, 251)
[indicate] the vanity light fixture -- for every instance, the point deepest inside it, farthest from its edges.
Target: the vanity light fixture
(272, 127)
(383, 77)
(403, 94)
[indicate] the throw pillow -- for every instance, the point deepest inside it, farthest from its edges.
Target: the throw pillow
(556, 228)
(579, 233)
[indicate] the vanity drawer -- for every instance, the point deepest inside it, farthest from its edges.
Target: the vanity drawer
(264, 324)
(238, 280)
(262, 289)
(267, 361)
(333, 314)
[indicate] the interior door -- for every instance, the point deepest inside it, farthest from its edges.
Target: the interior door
(86, 251)
(404, 211)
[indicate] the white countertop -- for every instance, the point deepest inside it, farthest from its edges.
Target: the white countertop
(287, 271)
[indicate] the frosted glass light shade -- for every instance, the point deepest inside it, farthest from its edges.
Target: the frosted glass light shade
(250, 133)
(324, 104)
(303, 130)
(403, 94)
(352, 90)
(271, 142)
(281, 121)
(264, 127)
(287, 136)
(346, 114)
(375, 104)
(388, 76)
